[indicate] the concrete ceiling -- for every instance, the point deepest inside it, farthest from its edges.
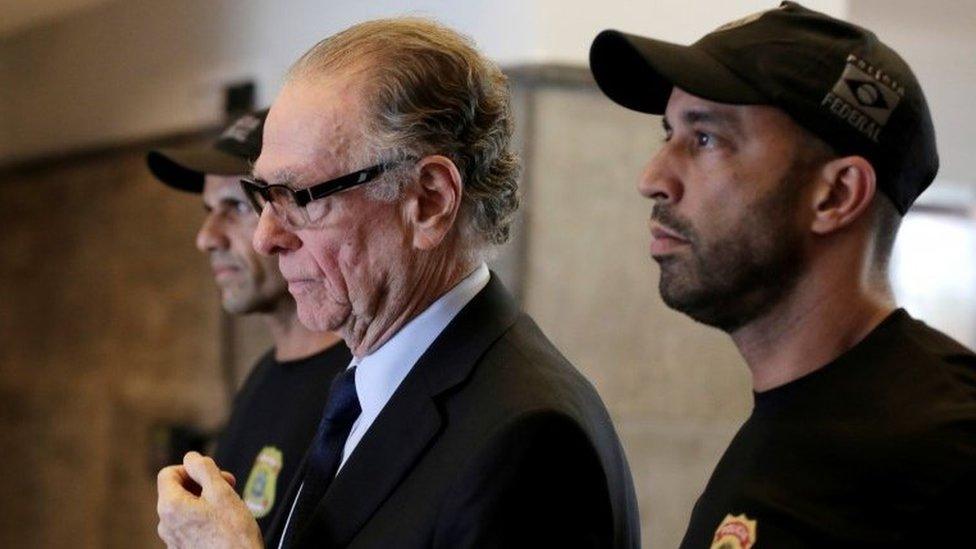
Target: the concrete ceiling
(20, 15)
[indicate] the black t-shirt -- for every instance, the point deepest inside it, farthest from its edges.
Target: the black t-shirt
(272, 422)
(876, 449)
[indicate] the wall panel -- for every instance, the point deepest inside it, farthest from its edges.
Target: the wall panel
(108, 327)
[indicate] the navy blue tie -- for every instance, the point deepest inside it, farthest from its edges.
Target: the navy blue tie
(325, 453)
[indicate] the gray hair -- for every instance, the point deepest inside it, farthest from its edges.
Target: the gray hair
(429, 91)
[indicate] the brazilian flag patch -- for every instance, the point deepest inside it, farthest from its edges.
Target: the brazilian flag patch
(259, 492)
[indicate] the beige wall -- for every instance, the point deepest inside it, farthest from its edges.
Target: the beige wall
(127, 69)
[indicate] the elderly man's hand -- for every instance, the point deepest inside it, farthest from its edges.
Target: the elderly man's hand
(198, 508)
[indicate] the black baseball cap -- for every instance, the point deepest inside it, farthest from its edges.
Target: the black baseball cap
(834, 78)
(230, 154)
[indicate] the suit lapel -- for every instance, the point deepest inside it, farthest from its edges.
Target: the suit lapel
(409, 422)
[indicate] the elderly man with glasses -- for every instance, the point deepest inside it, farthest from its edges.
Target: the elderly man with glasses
(385, 181)
(275, 414)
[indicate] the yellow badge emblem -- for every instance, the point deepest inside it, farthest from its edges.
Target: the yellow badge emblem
(259, 492)
(736, 532)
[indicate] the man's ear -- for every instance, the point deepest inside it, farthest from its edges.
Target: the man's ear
(844, 190)
(434, 201)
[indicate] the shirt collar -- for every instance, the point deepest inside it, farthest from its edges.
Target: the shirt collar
(379, 373)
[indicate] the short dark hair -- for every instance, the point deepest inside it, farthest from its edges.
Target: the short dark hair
(886, 219)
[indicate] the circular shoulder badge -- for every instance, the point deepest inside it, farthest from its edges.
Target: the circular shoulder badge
(259, 492)
(735, 532)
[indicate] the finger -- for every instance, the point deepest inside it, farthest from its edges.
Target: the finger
(174, 502)
(229, 477)
(170, 483)
(177, 475)
(204, 472)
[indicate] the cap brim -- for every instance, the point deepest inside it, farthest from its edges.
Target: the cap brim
(639, 73)
(184, 169)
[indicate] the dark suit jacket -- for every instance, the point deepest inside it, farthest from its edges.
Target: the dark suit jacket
(492, 440)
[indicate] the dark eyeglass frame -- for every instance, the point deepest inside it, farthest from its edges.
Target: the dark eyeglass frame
(254, 188)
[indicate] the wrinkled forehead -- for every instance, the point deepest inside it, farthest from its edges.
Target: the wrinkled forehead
(313, 132)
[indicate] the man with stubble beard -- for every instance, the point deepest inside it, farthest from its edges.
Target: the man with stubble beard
(795, 142)
(275, 414)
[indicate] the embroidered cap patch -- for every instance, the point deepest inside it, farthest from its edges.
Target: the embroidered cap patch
(864, 97)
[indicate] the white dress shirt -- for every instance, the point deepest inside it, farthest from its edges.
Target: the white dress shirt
(379, 374)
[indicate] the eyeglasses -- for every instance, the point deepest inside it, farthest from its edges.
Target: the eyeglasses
(291, 207)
